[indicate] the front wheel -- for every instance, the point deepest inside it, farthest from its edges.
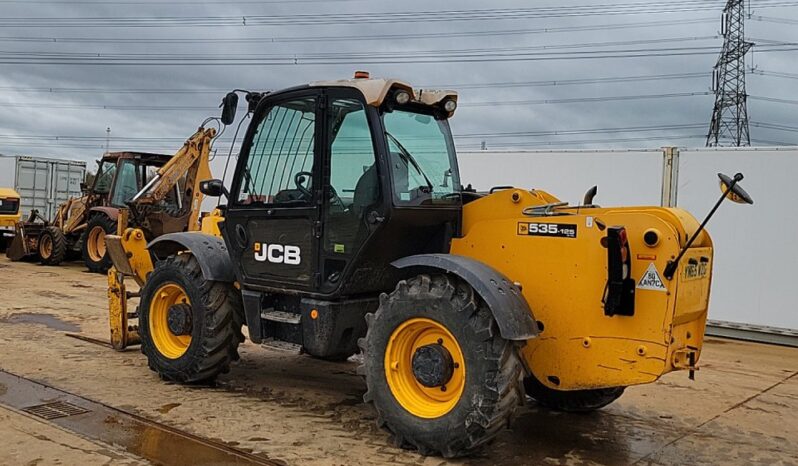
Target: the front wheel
(573, 401)
(52, 246)
(94, 253)
(190, 328)
(441, 377)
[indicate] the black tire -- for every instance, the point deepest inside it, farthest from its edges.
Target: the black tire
(493, 369)
(52, 246)
(97, 264)
(217, 317)
(572, 401)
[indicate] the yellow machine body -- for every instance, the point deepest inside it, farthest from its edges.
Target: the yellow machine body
(563, 280)
(9, 219)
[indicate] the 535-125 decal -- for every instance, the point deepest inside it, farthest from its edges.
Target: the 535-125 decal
(559, 230)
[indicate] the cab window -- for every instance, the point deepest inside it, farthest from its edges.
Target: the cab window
(422, 158)
(279, 167)
(105, 177)
(126, 184)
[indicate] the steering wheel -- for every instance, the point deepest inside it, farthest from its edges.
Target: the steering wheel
(335, 198)
(300, 178)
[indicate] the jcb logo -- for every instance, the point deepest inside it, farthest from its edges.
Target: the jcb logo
(277, 253)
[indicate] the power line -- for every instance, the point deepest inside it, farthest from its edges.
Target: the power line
(517, 54)
(552, 48)
(559, 132)
(480, 85)
(592, 141)
(774, 74)
(569, 132)
(584, 99)
(773, 99)
(383, 58)
(771, 142)
(359, 38)
(374, 17)
(769, 19)
(168, 3)
(775, 126)
(161, 108)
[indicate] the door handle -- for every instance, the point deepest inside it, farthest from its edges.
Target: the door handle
(374, 217)
(241, 236)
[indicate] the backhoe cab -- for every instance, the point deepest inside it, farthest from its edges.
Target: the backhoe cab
(347, 229)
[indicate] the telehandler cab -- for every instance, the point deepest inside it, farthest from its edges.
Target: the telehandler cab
(347, 228)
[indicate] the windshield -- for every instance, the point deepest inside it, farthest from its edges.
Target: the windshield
(423, 161)
(105, 177)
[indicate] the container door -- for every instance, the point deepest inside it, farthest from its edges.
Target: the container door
(67, 177)
(33, 186)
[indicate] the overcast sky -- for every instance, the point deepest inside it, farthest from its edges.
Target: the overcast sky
(467, 50)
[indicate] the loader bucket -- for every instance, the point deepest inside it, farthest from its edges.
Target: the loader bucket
(25, 243)
(16, 250)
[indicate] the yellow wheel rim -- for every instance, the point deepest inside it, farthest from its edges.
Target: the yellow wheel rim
(422, 401)
(46, 247)
(96, 246)
(168, 344)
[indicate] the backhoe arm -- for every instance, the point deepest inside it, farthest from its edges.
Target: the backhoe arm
(191, 161)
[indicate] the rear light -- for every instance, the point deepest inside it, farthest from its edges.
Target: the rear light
(619, 298)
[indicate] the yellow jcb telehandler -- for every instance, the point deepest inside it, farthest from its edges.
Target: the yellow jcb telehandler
(346, 229)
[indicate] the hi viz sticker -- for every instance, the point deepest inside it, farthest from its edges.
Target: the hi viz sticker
(651, 280)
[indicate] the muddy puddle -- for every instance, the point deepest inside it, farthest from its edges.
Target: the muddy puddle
(150, 440)
(48, 320)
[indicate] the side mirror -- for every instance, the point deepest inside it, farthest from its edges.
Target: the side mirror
(729, 190)
(213, 188)
(734, 192)
(229, 107)
(84, 188)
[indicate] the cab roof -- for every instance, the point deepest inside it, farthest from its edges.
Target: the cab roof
(376, 90)
(8, 193)
(147, 158)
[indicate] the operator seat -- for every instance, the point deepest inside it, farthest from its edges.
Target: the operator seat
(367, 191)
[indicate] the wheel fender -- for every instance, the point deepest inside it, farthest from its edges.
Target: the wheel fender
(511, 311)
(210, 251)
(111, 212)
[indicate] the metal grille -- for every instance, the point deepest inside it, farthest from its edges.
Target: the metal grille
(55, 410)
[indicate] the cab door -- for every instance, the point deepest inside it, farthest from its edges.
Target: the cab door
(272, 223)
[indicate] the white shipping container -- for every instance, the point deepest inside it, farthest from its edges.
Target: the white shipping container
(42, 183)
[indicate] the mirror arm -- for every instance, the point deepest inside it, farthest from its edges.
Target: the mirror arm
(670, 269)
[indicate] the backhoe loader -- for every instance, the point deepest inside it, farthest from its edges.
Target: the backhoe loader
(81, 224)
(346, 228)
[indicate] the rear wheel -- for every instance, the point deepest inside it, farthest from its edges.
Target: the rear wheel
(571, 400)
(442, 379)
(95, 255)
(190, 328)
(52, 246)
